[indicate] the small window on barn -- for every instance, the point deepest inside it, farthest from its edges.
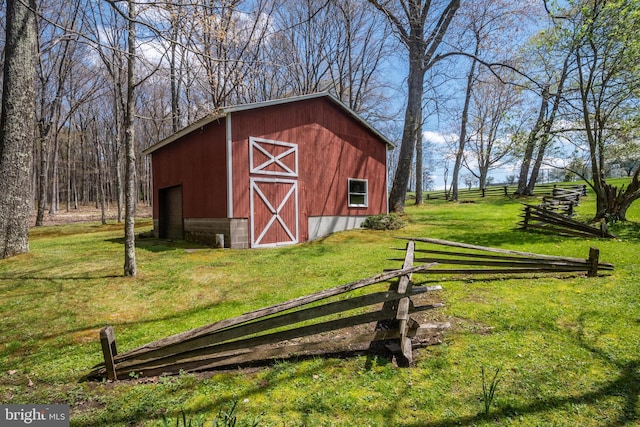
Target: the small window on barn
(358, 193)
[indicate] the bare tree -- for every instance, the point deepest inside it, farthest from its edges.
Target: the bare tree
(490, 128)
(357, 48)
(305, 30)
(227, 42)
(554, 59)
(421, 26)
(55, 62)
(17, 121)
(489, 36)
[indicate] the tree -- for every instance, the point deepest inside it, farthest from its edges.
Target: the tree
(131, 193)
(58, 48)
(421, 27)
(549, 50)
(131, 186)
(357, 47)
(227, 41)
(489, 124)
(17, 123)
(607, 89)
(489, 31)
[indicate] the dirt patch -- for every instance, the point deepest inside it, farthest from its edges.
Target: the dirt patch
(87, 214)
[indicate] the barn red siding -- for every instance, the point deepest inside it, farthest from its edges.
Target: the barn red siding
(333, 147)
(198, 163)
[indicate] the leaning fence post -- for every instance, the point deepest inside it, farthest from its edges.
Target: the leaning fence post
(109, 350)
(594, 255)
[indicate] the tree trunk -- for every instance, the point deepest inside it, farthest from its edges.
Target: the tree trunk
(548, 124)
(419, 166)
(412, 125)
(463, 130)
(530, 146)
(619, 199)
(173, 67)
(129, 142)
(68, 167)
(17, 123)
(54, 202)
(42, 176)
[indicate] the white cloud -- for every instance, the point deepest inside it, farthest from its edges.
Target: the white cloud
(439, 138)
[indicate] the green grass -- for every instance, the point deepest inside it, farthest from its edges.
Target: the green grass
(567, 348)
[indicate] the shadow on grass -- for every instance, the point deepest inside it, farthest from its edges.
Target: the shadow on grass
(626, 385)
(281, 371)
(627, 231)
(478, 236)
(152, 244)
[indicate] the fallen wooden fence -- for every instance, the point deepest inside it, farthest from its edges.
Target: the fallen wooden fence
(482, 260)
(297, 327)
(539, 218)
(258, 335)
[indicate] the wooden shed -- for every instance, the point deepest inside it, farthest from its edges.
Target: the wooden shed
(270, 173)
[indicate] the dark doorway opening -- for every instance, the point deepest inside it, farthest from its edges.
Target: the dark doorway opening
(170, 221)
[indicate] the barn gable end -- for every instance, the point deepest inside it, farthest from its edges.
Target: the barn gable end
(274, 173)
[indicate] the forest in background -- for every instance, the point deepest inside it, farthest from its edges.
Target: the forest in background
(501, 83)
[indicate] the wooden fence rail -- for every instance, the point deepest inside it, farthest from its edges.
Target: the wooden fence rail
(543, 219)
(482, 260)
(505, 191)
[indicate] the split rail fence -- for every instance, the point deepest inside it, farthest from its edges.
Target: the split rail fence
(301, 327)
(464, 260)
(470, 194)
(260, 335)
(540, 218)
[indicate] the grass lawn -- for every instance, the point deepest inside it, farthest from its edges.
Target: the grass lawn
(567, 348)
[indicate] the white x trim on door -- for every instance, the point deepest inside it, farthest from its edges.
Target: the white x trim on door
(291, 196)
(263, 146)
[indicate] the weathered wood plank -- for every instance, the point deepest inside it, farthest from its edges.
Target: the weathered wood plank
(594, 256)
(470, 271)
(487, 249)
(277, 308)
(523, 263)
(568, 222)
(109, 350)
(224, 349)
(403, 309)
(261, 353)
(559, 230)
(562, 220)
(229, 349)
(405, 279)
(407, 349)
(491, 256)
(264, 325)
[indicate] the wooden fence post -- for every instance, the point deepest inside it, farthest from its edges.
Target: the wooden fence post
(109, 350)
(483, 191)
(594, 255)
(527, 216)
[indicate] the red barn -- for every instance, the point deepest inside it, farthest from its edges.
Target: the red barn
(269, 173)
